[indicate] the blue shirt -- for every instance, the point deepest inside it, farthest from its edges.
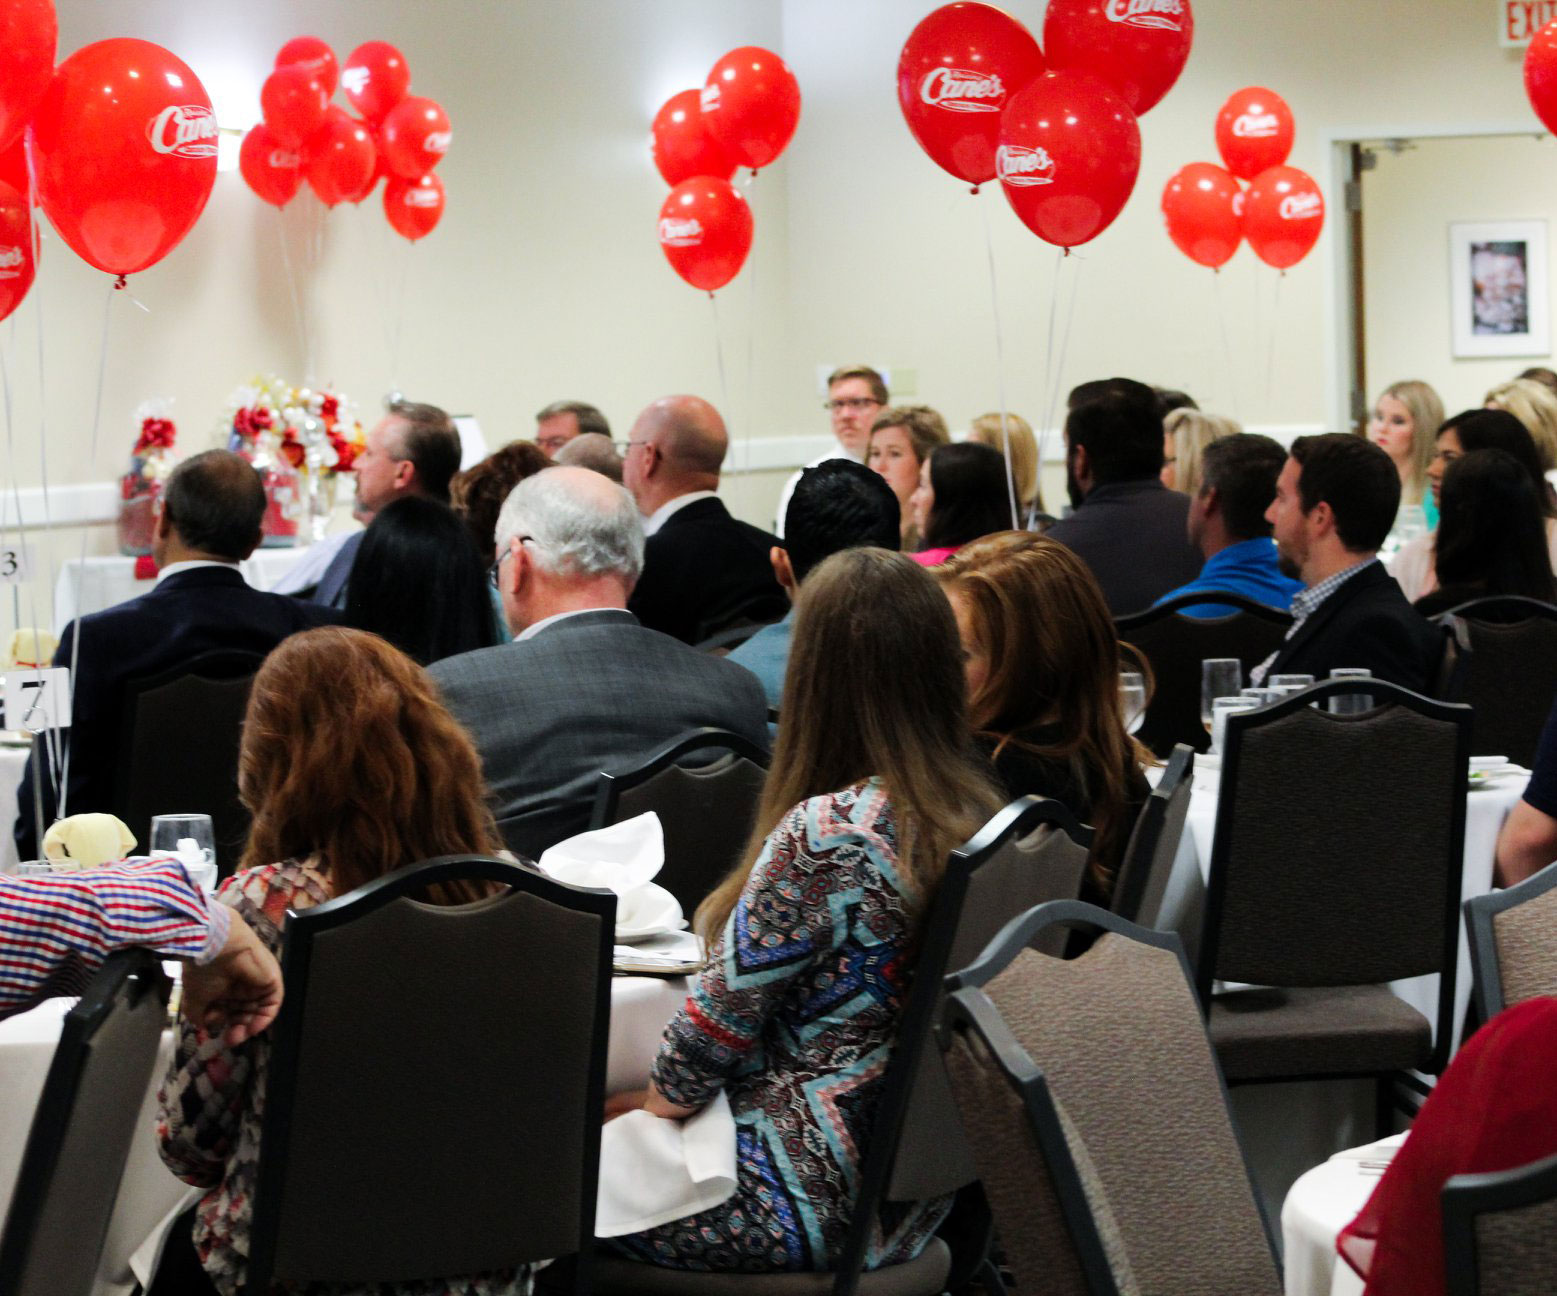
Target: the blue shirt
(1248, 568)
(765, 655)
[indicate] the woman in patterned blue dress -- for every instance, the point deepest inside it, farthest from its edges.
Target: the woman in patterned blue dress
(812, 938)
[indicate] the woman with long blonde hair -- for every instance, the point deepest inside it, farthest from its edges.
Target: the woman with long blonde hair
(1405, 423)
(1043, 666)
(352, 768)
(1534, 405)
(812, 937)
(1185, 435)
(986, 429)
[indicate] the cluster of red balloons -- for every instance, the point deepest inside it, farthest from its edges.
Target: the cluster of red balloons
(1207, 210)
(745, 114)
(117, 145)
(399, 137)
(1057, 125)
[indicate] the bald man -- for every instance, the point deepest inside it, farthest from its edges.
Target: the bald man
(703, 571)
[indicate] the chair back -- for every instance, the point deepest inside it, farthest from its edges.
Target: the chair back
(1052, 1213)
(1513, 943)
(1175, 645)
(81, 1133)
(706, 810)
(1149, 854)
(1118, 1035)
(1032, 850)
(178, 748)
(425, 1118)
(1339, 843)
(1501, 640)
(1500, 1232)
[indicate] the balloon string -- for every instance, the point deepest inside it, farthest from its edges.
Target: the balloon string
(399, 318)
(291, 273)
(750, 411)
(1070, 319)
(1230, 369)
(1048, 363)
(75, 642)
(1000, 366)
(724, 385)
(1275, 329)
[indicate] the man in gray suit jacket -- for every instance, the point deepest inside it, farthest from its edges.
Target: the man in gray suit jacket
(583, 687)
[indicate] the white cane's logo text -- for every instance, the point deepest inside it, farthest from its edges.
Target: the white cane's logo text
(283, 160)
(1301, 206)
(421, 198)
(680, 233)
(709, 99)
(12, 262)
(1167, 14)
(354, 80)
(439, 141)
(1018, 165)
(1255, 125)
(188, 131)
(959, 91)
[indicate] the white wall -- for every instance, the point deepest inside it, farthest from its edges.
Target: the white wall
(544, 279)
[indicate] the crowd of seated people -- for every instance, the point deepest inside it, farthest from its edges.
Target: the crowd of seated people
(512, 630)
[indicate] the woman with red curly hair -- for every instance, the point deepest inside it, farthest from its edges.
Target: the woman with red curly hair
(352, 769)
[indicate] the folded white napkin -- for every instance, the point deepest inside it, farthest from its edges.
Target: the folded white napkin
(620, 858)
(653, 1171)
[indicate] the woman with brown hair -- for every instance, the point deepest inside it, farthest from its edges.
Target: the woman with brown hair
(901, 439)
(352, 768)
(1042, 665)
(477, 494)
(812, 937)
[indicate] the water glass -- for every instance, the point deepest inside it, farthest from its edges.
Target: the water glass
(1221, 708)
(191, 839)
(1291, 682)
(1220, 677)
(1262, 696)
(1132, 699)
(1351, 703)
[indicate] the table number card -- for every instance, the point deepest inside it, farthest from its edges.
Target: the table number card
(37, 699)
(15, 564)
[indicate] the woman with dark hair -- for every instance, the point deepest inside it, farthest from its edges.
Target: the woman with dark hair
(812, 936)
(1042, 666)
(962, 495)
(352, 768)
(1477, 429)
(477, 494)
(419, 582)
(1491, 534)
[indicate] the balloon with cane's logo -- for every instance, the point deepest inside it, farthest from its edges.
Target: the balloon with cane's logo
(1284, 213)
(1202, 206)
(1137, 47)
(680, 142)
(1254, 131)
(414, 207)
(272, 170)
(705, 231)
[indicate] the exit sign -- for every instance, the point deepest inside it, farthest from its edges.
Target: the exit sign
(1519, 20)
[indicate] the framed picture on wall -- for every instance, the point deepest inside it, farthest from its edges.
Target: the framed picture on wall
(1499, 292)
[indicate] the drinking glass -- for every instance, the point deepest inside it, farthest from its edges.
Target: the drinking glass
(1290, 681)
(1220, 677)
(1132, 699)
(191, 839)
(1262, 696)
(1221, 708)
(1351, 703)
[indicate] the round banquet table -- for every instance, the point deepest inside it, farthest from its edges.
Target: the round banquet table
(1320, 1204)
(1288, 1128)
(150, 1197)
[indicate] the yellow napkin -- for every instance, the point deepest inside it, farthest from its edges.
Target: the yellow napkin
(28, 648)
(87, 840)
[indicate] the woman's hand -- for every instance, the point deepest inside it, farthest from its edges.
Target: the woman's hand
(622, 1103)
(237, 994)
(650, 1100)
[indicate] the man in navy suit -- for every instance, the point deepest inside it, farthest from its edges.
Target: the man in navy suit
(212, 509)
(703, 570)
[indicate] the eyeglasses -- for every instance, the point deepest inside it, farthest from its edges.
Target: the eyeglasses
(495, 570)
(850, 403)
(623, 447)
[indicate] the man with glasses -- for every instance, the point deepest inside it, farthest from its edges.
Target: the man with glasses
(855, 395)
(562, 421)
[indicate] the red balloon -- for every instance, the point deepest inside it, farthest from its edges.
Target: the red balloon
(272, 170)
(125, 142)
(1254, 131)
(705, 231)
(315, 55)
(1202, 206)
(1138, 47)
(414, 207)
(17, 268)
(751, 105)
(380, 172)
(375, 79)
(294, 104)
(13, 168)
(27, 34)
(958, 70)
(414, 137)
(1069, 153)
(1283, 213)
(1541, 75)
(340, 158)
(681, 144)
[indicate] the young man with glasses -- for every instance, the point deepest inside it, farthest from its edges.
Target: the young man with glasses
(855, 395)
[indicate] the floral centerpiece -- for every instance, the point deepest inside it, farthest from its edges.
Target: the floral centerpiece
(301, 439)
(151, 460)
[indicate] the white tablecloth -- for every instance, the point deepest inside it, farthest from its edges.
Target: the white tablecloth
(103, 581)
(149, 1194)
(1320, 1205)
(13, 760)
